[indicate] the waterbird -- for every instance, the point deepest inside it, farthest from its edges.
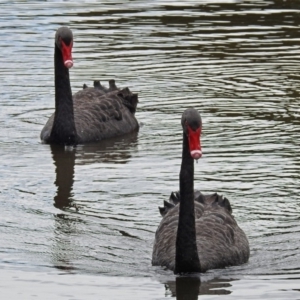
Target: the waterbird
(197, 232)
(90, 115)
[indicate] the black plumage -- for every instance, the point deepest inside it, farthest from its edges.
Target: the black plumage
(198, 232)
(90, 115)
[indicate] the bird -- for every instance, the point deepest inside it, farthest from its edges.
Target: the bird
(197, 232)
(93, 113)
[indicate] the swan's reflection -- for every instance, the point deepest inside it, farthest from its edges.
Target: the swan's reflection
(64, 162)
(189, 287)
(117, 150)
(69, 223)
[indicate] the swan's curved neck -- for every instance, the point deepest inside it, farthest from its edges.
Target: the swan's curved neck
(187, 259)
(63, 130)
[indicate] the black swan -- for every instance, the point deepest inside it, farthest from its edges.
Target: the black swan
(198, 232)
(90, 115)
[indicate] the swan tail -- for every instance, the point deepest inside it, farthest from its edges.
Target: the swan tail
(174, 198)
(220, 200)
(213, 199)
(129, 99)
(167, 206)
(112, 85)
(99, 86)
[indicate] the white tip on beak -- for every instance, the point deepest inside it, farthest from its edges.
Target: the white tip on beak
(196, 154)
(68, 64)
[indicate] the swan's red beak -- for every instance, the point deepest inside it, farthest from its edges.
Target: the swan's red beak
(67, 54)
(194, 142)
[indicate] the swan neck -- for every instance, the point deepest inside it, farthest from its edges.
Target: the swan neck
(186, 259)
(63, 130)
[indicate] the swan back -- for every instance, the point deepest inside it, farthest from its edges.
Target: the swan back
(100, 113)
(220, 241)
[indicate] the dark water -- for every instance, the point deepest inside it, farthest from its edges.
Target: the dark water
(79, 223)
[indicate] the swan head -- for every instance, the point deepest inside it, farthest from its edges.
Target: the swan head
(64, 41)
(192, 125)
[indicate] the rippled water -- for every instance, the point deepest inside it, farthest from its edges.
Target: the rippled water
(90, 213)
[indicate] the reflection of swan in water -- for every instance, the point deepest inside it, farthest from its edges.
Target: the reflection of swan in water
(117, 150)
(65, 225)
(64, 162)
(65, 249)
(189, 287)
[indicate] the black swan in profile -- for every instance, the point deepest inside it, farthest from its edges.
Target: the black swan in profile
(90, 115)
(198, 232)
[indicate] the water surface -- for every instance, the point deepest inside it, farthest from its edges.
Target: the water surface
(79, 223)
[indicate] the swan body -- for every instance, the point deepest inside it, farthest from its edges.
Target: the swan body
(90, 115)
(198, 232)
